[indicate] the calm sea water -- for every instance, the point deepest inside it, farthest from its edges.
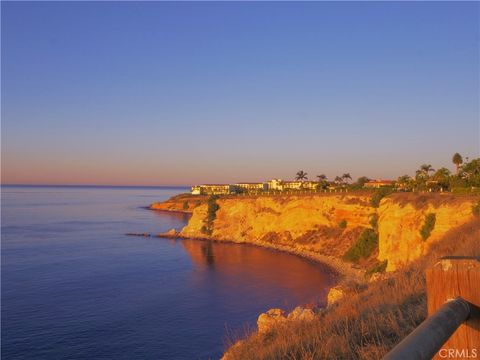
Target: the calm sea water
(75, 287)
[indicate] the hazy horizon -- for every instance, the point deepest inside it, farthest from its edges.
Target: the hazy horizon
(177, 94)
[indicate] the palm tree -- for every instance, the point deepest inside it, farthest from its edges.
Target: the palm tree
(322, 181)
(427, 168)
(442, 173)
(346, 176)
(301, 175)
(338, 179)
(362, 180)
(442, 176)
(457, 160)
(424, 170)
(404, 179)
(405, 182)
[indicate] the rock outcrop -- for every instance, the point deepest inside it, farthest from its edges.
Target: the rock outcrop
(274, 317)
(268, 320)
(335, 294)
(183, 203)
(301, 314)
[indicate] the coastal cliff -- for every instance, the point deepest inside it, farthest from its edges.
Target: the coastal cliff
(326, 226)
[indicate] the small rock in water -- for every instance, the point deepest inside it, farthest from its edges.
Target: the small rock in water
(138, 234)
(171, 232)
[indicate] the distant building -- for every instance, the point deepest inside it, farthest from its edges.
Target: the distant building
(212, 189)
(310, 185)
(372, 184)
(196, 190)
(247, 186)
(275, 184)
(280, 185)
(292, 185)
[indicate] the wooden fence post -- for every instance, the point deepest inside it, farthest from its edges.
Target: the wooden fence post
(450, 278)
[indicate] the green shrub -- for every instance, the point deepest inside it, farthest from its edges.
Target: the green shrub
(185, 205)
(365, 245)
(212, 208)
(379, 194)
(211, 215)
(342, 224)
(466, 190)
(428, 225)
(476, 209)
(374, 222)
(206, 230)
(377, 268)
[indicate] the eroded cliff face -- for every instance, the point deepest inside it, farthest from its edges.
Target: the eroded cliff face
(304, 225)
(402, 216)
(312, 223)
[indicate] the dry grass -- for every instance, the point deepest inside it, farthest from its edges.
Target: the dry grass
(369, 321)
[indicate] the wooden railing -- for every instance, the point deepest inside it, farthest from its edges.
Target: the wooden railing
(452, 329)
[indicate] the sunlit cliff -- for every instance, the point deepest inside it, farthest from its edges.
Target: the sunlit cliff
(329, 224)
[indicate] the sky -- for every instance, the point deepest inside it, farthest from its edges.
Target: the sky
(182, 93)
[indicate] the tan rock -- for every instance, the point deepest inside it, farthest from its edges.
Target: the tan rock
(266, 321)
(300, 313)
(376, 277)
(335, 294)
(171, 232)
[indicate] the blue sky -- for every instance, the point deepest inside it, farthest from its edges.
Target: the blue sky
(162, 93)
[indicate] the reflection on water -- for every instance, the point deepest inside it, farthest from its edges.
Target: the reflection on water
(300, 280)
(207, 253)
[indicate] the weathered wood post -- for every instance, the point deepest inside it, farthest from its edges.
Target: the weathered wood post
(450, 278)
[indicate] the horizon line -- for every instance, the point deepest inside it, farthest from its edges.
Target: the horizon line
(93, 185)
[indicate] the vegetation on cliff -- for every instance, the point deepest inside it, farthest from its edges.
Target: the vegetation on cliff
(212, 208)
(379, 267)
(379, 194)
(342, 224)
(366, 244)
(428, 225)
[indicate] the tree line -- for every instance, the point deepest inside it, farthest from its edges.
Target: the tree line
(426, 178)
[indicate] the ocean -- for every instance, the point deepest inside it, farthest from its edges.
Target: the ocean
(74, 286)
